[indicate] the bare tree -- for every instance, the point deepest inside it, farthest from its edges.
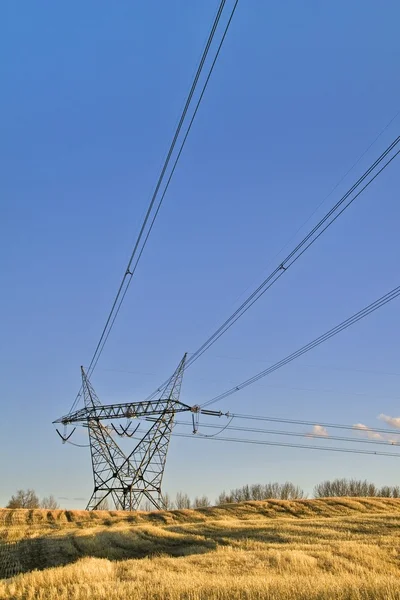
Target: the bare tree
(168, 502)
(395, 491)
(257, 492)
(289, 491)
(236, 495)
(271, 490)
(385, 492)
(345, 487)
(282, 491)
(201, 502)
(224, 498)
(24, 499)
(388, 491)
(49, 502)
(182, 500)
(327, 489)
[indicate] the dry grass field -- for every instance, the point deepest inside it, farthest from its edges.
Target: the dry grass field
(305, 549)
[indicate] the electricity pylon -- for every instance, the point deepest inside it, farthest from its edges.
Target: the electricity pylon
(129, 479)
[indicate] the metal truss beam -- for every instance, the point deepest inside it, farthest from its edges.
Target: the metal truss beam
(130, 410)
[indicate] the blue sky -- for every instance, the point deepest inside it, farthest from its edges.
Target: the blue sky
(91, 95)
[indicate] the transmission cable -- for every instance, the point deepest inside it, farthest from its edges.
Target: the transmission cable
(297, 252)
(356, 427)
(289, 445)
(316, 342)
(293, 237)
(330, 437)
(166, 186)
(312, 423)
(279, 444)
(129, 272)
(311, 434)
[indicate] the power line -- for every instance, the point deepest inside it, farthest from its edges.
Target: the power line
(228, 426)
(167, 184)
(289, 445)
(295, 433)
(298, 251)
(295, 254)
(316, 342)
(129, 272)
(163, 171)
(312, 423)
(331, 192)
(264, 360)
(288, 433)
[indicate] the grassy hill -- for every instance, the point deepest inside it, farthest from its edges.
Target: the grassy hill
(343, 548)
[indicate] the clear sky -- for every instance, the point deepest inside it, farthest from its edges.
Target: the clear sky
(90, 96)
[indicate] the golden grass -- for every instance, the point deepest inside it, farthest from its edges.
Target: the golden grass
(305, 549)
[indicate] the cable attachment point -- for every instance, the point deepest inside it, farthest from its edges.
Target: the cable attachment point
(212, 413)
(195, 421)
(282, 267)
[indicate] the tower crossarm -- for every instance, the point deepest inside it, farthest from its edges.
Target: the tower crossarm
(130, 410)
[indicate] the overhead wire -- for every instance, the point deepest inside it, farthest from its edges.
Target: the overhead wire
(394, 293)
(128, 275)
(168, 181)
(309, 434)
(289, 445)
(330, 217)
(268, 443)
(259, 292)
(293, 237)
(285, 264)
(355, 428)
(312, 423)
(77, 445)
(221, 430)
(164, 168)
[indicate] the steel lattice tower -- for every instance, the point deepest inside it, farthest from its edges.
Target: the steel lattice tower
(127, 480)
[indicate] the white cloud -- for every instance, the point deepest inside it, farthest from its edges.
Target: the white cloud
(392, 421)
(372, 435)
(318, 431)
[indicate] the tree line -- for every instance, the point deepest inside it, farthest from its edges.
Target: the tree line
(283, 491)
(257, 491)
(29, 499)
(354, 487)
